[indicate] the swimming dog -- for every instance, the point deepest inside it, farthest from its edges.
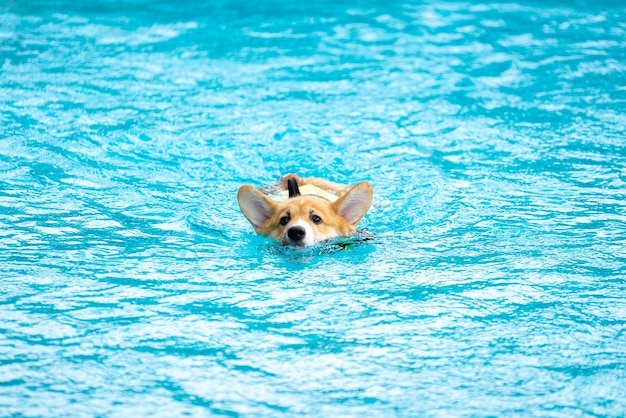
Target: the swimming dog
(303, 212)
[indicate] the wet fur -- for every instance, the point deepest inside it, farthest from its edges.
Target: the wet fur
(338, 219)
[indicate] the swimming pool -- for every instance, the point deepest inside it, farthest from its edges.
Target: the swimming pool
(493, 134)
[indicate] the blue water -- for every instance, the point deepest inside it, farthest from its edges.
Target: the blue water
(493, 135)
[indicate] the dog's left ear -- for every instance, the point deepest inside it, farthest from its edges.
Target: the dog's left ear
(353, 205)
(256, 207)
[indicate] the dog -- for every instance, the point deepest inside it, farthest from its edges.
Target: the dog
(303, 212)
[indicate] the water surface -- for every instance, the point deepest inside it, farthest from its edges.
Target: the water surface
(493, 134)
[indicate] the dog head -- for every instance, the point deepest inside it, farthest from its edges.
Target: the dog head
(305, 220)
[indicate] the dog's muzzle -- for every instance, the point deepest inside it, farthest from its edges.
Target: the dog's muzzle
(296, 233)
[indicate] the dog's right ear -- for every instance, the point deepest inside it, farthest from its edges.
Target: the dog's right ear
(256, 207)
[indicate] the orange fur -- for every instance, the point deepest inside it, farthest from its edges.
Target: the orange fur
(313, 219)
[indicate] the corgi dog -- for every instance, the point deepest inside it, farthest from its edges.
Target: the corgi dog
(304, 212)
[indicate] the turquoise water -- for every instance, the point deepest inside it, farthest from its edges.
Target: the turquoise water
(493, 134)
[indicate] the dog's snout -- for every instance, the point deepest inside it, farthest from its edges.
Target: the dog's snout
(296, 233)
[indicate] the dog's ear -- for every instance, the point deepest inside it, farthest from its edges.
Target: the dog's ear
(353, 205)
(256, 207)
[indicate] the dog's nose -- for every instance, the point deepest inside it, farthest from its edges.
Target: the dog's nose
(296, 233)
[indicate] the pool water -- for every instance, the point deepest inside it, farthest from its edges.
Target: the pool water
(493, 135)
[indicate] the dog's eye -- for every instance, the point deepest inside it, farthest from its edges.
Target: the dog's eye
(316, 219)
(284, 220)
